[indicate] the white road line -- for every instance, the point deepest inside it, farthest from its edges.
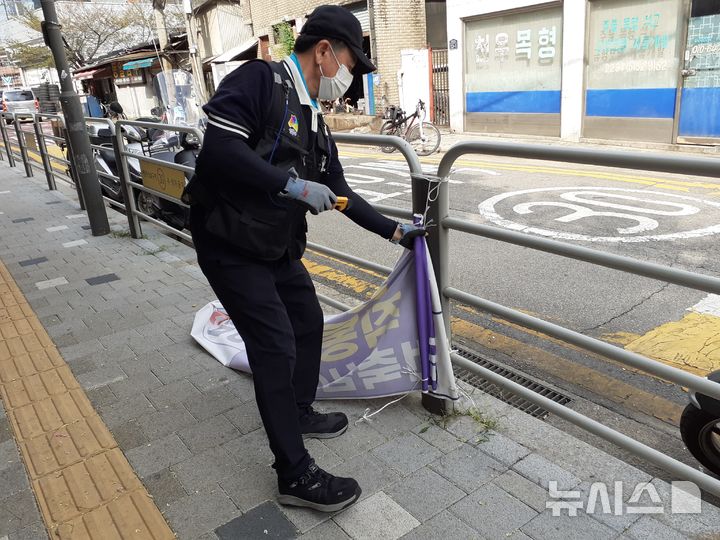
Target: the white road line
(5, 192)
(58, 228)
(396, 168)
(398, 184)
(74, 243)
(470, 170)
(75, 216)
(51, 283)
(363, 179)
(377, 196)
(377, 169)
(408, 191)
(709, 305)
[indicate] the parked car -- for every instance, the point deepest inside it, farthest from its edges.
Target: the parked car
(19, 101)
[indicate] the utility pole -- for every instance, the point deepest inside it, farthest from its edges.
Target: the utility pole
(81, 152)
(161, 27)
(194, 57)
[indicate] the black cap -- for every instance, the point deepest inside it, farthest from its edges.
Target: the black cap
(335, 22)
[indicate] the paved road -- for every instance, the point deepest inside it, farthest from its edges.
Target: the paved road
(667, 219)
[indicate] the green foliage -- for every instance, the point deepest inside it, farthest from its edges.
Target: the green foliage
(31, 56)
(285, 37)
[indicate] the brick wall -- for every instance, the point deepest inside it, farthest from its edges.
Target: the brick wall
(399, 24)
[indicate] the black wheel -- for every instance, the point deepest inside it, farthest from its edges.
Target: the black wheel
(700, 432)
(147, 203)
(428, 143)
(388, 129)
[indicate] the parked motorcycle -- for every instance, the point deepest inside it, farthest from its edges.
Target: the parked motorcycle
(173, 214)
(106, 162)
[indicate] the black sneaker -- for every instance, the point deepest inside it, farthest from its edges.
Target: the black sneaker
(322, 425)
(319, 490)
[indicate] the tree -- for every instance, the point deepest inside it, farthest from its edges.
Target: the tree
(91, 30)
(30, 56)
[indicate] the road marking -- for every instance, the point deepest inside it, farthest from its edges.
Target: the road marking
(691, 344)
(487, 210)
(664, 183)
(371, 168)
(399, 184)
(58, 228)
(377, 196)
(573, 372)
(75, 216)
(363, 179)
(709, 305)
(473, 170)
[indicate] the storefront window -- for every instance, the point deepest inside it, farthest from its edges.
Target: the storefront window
(633, 58)
(513, 63)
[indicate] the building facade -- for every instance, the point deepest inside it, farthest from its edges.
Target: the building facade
(595, 69)
(389, 26)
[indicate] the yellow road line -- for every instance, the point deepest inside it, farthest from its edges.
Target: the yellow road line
(663, 183)
(84, 485)
(573, 372)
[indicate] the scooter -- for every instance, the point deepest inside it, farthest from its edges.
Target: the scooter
(106, 162)
(700, 427)
(173, 214)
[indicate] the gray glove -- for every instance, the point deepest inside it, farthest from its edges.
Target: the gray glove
(316, 197)
(409, 233)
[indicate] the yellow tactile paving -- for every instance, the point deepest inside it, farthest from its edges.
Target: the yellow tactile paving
(38, 386)
(85, 487)
(24, 365)
(96, 481)
(133, 511)
(66, 446)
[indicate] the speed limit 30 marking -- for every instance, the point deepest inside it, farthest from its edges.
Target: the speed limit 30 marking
(634, 213)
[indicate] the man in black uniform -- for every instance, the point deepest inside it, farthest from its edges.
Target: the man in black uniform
(266, 159)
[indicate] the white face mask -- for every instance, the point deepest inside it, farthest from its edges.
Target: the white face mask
(332, 88)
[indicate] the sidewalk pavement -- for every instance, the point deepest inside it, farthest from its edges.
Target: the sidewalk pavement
(164, 412)
(449, 138)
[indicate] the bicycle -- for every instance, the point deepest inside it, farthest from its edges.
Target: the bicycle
(422, 136)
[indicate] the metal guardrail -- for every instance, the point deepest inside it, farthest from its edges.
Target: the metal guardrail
(438, 243)
(131, 187)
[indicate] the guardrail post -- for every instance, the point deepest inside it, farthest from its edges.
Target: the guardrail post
(127, 190)
(23, 148)
(42, 148)
(421, 185)
(6, 139)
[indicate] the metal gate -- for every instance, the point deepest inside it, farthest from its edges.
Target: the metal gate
(440, 88)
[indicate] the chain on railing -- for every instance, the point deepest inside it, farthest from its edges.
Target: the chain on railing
(438, 212)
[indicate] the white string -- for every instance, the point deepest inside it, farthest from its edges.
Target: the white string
(367, 415)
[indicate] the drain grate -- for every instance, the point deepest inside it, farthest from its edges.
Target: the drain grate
(500, 393)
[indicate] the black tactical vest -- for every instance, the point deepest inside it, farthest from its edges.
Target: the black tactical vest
(259, 224)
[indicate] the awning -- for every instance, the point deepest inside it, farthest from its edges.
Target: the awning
(142, 63)
(97, 73)
(233, 53)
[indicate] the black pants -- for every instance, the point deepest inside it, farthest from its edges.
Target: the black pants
(276, 311)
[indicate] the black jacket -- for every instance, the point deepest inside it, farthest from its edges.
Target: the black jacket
(258, 129)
